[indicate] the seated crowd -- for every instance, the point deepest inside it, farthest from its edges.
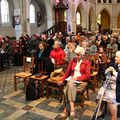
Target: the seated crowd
(55, 49)
(43, 46)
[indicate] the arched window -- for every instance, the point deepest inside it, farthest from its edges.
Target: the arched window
(4, 8)
(32, 13)
(65, 16)
(78, 18)
(99, 19)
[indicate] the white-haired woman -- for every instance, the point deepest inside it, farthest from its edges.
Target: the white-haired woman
(57, 55)
(78, 70)
(112, 91)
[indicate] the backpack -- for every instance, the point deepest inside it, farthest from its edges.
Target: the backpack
(32, 91)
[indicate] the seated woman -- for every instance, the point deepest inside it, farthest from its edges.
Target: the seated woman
(57, 55)
(111, 93)
(78, 70)
(69, 50)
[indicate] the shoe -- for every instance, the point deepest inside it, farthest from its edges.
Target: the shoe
(72, 114)
(100, 116)
(61, 116)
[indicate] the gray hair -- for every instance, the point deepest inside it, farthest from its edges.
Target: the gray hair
(58, 42)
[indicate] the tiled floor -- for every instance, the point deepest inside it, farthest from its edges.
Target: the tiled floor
(13, 105)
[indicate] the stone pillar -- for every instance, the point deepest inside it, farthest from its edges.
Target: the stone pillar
(114, 17)
(107, 1)
(101, 1)
(27, 20)
(49, 17)
(70, 19)
(24, 6)
(17, 22)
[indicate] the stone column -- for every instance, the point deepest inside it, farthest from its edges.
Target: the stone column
(17, 22)
(27, 20)
(49, 17)
(70, 18)
(101, 1)
(114, 17)
(24, 6)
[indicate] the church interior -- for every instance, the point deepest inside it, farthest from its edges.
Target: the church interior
(39, 40)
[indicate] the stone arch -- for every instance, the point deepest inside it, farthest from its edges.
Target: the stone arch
(118, 20)
(82, 11)
(41, 21)
(105, 20)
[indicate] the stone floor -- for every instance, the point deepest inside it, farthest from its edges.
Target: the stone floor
(13, 105)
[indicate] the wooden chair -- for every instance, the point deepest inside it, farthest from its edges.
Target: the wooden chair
(41, 67)
(54, 85)
(61, 64)
(109, 56)
(94, 61)
(109, 53)
(28, 64)
(41, 81)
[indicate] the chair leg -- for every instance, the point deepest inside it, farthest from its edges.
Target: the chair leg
(25, 83)
(94, 84)
(47, 90)
(87, 92)
(15, 84)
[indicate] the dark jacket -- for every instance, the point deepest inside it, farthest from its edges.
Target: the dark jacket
(118, 87)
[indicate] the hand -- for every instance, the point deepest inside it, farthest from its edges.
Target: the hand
(60, 83)
(110, 69)
(53, 60)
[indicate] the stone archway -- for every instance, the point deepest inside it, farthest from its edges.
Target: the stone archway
(82, 25)
(78, 20)
(118, 21)
(104, 20)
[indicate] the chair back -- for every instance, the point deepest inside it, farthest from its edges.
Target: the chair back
(94, 61)
(28, 64)
(42, 67)
(109, 53)
(61, 64)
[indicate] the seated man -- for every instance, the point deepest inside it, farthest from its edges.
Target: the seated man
(78, 70)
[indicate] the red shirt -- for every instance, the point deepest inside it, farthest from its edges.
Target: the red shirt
(84, 70)
(58, 54)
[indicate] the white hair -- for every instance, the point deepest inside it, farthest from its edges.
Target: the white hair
(118, 53)
(58, 42)
(80, 50)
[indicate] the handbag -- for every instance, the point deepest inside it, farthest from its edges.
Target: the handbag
(57, 75)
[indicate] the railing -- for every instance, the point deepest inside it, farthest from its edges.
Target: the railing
(59, 27)
(50, 30)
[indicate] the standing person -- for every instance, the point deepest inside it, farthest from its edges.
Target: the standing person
(42, 57)
(78, 70)
(112, 92)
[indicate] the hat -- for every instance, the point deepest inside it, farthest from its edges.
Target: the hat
(80, 50)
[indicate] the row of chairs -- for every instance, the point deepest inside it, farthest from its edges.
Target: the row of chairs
(28, 64)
